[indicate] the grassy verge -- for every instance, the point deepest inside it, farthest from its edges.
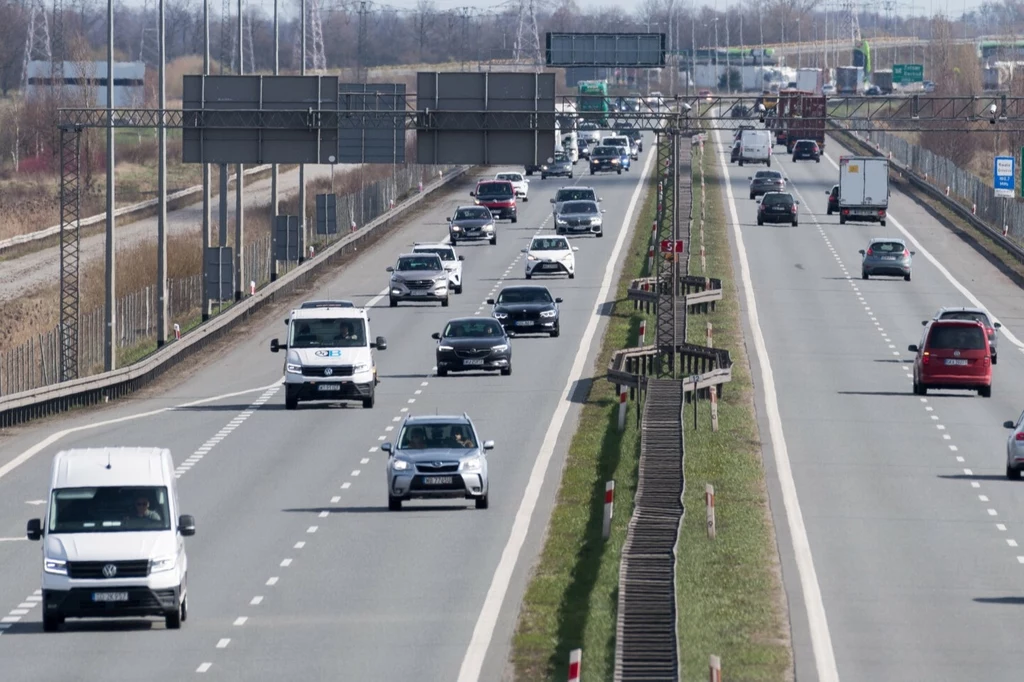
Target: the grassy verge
(730, 594)
(570, 601)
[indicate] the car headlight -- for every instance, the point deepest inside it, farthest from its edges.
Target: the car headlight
(443, 284)
(401, 465)
(445, 348)
(489, 228)
(500, 348)
(55, 566)
(530, 257)
(500, 316)
(472, 464)
(293, 368)
(456, 228)
(162, 564)
(543, 167)
(595, 221)
(560, 221)
(567, 256)
(615, 160)
(549, 313)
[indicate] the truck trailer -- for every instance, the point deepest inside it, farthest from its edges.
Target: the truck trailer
(863, 189)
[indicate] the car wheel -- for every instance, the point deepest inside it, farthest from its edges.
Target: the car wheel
(558, 231)
(591, 171)
(842, 219)
(528, 275)
(506, 371)
(444, 302)
(393, 302)
(619, 171)
(453, 241)
(795, 223)
(556, 332)
(442, 372)
(753, 196)
(515, 219)
(1012, 474)
(817, 160)
(172, 619)
(994, 359)
(494, 240)
(572, 275)
(184, 608)
(51, 623)
(458, 289)
(483, 502)
(570, 175)
(760, 222)
(599, 234)
(525, 198)
(985, 391)
(863, 274)
(291, 401)
(829, 211)
(368, 402)
(794, 158)
(543, 177)
(741, 163)
(916, 388)
(883, 223)
(394, 503)
(769, 163)
(906, 278)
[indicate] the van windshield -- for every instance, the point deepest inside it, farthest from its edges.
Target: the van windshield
(109, 509)
(960, 337)
(328, 333)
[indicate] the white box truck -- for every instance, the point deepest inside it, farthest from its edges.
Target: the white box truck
(863, 189)
(810, 80)
(756, 147)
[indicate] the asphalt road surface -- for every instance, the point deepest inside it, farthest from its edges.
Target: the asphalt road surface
(898, 530)
(298, 571)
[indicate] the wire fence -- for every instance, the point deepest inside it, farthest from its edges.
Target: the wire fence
(36, 362)
(1002, 214)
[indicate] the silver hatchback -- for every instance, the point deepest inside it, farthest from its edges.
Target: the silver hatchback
(888, 257)
(437, 457)
(1015, 448)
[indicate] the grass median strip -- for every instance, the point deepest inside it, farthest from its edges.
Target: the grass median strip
(570, 601)
(731, 601)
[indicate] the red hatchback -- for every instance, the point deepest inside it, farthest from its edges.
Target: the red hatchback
(953, 354)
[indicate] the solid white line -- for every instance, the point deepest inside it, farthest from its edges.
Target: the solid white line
(473, 662)
(12, 539)
(821, 639)
(54, 437)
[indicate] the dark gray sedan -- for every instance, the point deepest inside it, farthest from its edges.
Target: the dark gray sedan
(580, 217)
(765, 181)
(886, 257)
(473, 344)
(472, 223)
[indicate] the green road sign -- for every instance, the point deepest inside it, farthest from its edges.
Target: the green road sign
(907, 73)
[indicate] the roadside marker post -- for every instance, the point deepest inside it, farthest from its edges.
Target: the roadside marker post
(609, 503)
(575, 658)
(622, 408)
(709, 502)
(715, 669)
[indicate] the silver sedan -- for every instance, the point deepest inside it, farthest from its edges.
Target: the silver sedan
(1015, 448)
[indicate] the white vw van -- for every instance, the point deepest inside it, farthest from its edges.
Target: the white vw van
(113, 537)
(330, 355)
(756, 147)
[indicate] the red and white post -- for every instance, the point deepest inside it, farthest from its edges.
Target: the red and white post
(252, 287)
(575, 658)
(715, 669)
(352, 226)
(709, 502)
(710, 344)
(650, 259)
(714, 409)
(623, 394)
(312, 251)
(643, 331)
(609, 503)
(177, 332)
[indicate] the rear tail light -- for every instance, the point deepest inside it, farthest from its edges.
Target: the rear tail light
(1019, 436)
(870, 252)
(846, 211)
(906, 253)
(793, 207)
(925, 358)
(881, 214)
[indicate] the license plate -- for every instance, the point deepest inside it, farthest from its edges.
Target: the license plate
(524, 323)
(329, 387)
(888, 257)
(473, 362)
(953, 361)
(419, 292)
(110, 596)
(437, 480)
(863, 212)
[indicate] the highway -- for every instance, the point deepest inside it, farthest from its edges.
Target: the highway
(297, 570)
(897, 528)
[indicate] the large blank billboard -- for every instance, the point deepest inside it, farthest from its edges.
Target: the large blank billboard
(636, 50)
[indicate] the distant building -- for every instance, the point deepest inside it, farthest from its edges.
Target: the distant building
(86, 82)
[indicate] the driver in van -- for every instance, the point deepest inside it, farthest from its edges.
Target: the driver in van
(141, 510)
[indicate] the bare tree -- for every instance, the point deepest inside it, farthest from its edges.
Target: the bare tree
(13, 27)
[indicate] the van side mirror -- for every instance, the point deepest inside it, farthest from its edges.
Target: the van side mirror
(912, 348)
(461, 257)
(1006, 425)
(34, 529)
(472, 194)
(436, 336)
(386, 447)
(381, 343)
(186, 525)
(488, 445)
(286, 322)
(449, 219)
(913, 253)
(275, 346)
(552, 200)
(524, 250)
(828, 192)
(924, 323)
(490, 301)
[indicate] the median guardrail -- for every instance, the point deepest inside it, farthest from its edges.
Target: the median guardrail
(99, 388)
(699, 294)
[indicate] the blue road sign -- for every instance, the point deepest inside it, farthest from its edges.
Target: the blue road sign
(1003, 176)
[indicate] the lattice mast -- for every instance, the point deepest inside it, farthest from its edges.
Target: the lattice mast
(247, 52)
(37, 39)
(316, 57)
(849, 21)
(665, 266)
(527, 46)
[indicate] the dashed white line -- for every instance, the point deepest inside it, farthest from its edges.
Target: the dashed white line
(285, 563)
(203, 667)
(1001, 526)
(1011, 543)
(256, 601)
(993, 512)
(299, 545)
(272, 581)
(968, 472)
(983, 498)
(355, 472)
(223, 643)
(324, 514)
(345, 485)
(240, 620)
(364, 460)
(336, 499)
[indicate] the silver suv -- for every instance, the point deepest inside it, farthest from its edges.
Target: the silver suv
(418, 277)
(437, 457)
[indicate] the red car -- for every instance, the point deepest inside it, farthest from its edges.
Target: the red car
(954, 354)
(497, 195)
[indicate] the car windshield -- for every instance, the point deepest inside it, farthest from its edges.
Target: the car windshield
(560, 157)
(966, 315)
(575, 195)
(109, 509)
(424, 262)
(767, 175)
(328, 333)
(549, 245)
(605, 151)
(524, 296)
(511, 177)
(442, 253)
(579, 207)
(472, 214)
(494, 189)
(437, 435)
(888, 248)
(775, 198)
(475, 329)
(959, 337)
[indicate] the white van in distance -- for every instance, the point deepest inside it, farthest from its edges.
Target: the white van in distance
(756, 147)
(113, 540)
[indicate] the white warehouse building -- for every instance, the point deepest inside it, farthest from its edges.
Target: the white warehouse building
(86, 82)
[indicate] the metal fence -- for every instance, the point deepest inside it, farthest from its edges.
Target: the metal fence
(36, 362)
(965, 187)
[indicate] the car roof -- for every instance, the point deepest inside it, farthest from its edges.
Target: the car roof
(428, 419)
(525, 287)
(333, 313)
(961, 309)
(951, 323)
(432, 245)
(887, 239)
(465, 206)
(549, 236)
(782, 194)
(326, 304)
(475, 318)
(494, 180)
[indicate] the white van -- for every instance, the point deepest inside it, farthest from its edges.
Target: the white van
(113, 539)
(621, 141)
(756, 147)
(571, 146)
(330, 356)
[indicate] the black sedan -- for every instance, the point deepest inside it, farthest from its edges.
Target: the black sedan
(471, 344)
(526, 310)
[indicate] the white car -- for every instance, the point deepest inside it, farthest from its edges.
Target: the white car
(1015, 448)
(550, 256)
(451, 261)
(519, 183)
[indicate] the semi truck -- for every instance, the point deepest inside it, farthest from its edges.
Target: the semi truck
(799, 115)
(849, 80)
(592, 101)
(863, 189)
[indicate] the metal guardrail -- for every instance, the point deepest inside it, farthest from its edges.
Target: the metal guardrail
(934, 192)
(175, 201)
(100, 388)
(633, 367)
(700, 294)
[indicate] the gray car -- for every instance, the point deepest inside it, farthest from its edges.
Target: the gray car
(886, 257)
(572, 194)
(418, 277)
(560, 164)
(580, 217)
(976, 314)
(437, 457)
(472, 223)
(765, 181)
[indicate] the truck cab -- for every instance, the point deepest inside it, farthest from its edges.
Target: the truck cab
(329, 356)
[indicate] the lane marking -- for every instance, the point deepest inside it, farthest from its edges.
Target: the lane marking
(241, 620)
(203, 667)
(256, 601)
(223, 643)
(272, 581)
(483, 631)
(821, 639)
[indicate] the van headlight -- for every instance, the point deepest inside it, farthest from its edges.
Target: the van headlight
(55, 566)
(401, 465)
(472, 464)
(165, 563)
(293, 368)
(360, 367)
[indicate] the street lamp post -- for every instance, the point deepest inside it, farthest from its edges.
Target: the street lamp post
(799, 45)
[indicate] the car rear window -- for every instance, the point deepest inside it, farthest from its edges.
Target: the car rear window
(772, 199)
(959, 337)
(767, 175)
(964, 315)
(888, 248)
